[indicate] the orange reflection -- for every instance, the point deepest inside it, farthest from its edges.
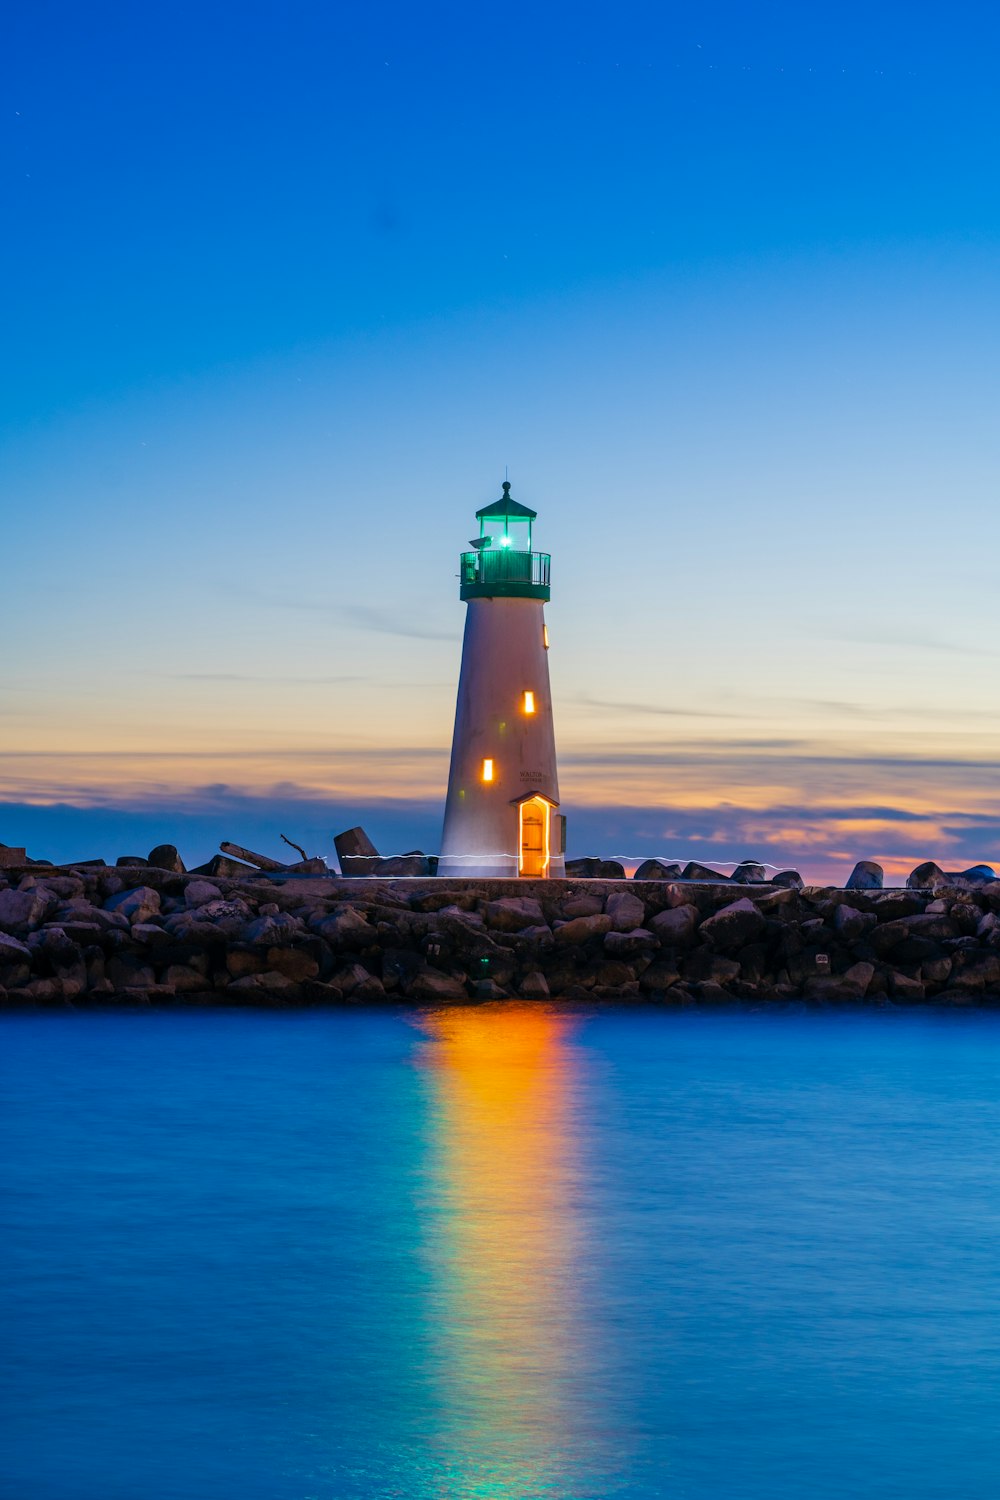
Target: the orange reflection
(506, 1319)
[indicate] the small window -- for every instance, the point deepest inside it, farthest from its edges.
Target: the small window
(487, 770)
(529, 702)
(545, 636)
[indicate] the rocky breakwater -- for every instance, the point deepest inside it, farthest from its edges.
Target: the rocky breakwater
(90, 936)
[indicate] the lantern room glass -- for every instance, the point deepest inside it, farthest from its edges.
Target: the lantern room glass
(506, 531)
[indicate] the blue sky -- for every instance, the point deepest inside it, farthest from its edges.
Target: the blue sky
(287, 287)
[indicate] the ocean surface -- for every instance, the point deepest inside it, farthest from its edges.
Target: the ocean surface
(500, 1251)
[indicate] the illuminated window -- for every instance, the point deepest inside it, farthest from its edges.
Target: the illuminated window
(487, 770)
(529, 703)
(545, 636)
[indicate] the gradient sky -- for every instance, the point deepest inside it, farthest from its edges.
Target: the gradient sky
(287, 286)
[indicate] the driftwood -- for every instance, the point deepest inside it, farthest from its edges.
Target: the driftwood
(262, 861)
(294, 846)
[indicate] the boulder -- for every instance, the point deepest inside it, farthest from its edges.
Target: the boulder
(24, 909)
(295, 963)
(185, 979)
(395, 866)
(907, 991)
(866, 876)
(594, 869)
(706, 966)
(165, 857)
(695, 871)
(676, 927)
(200, 893)
(533, 986)
(750, 872)
(12, 951)
(581, 930)
(346, 928)
(625, 910)
(11, 859)
(129, 861)
(975, 875)
(655, 869)
(274, 929)
(355, 852)
(512, 913)
(851, 924)
(270, 983)
(661, 974)
(315, 993)
(431, 984)
(629, 944)
(580, 906)
(896, 904)
(926, 877)
(734, 926)
(137, 905)
(222, 865)
(788, 879)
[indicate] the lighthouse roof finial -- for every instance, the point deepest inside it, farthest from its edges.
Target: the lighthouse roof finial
(505, 506)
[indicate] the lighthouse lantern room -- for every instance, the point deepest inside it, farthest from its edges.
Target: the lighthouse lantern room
(501, 816)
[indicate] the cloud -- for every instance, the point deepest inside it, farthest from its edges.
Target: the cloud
(252, 677)
(652, 708)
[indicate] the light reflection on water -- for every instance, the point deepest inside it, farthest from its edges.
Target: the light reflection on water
(503, 1245)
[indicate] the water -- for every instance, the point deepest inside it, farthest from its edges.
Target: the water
(500, 1252)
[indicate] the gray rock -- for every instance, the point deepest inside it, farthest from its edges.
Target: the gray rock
(356, 854)
(695, 871)
(138, 904)
(851, 924)
(346, 928)
(789, 880)
(581, 930)
(580, 906)
(625, 910)
(295, 963)
(431, 984)
(734, 926)
(534, 986)
(395, 866)
(594, 869)
(275, 929)
(676, 927)
(13, 952)
(926, 877)
(661, 974)
(655, 869)
(26, 908)
(749, 872)
(270, 982)
(866, 876)
(629, 944)
(165, 857)
(127, 861)
(976, 875)
(200, 892)
(512, 913)
(223, 865)
(705, 965)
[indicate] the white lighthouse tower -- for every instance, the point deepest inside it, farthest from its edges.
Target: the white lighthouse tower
(502, 814)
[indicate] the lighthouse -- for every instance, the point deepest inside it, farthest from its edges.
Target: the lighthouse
(502, 815)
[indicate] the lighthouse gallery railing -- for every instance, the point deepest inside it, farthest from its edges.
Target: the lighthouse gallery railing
(503, 567)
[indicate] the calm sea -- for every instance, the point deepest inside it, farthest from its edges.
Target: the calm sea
(500, 1252)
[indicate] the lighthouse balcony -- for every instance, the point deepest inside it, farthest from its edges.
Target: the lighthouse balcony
(505, 573)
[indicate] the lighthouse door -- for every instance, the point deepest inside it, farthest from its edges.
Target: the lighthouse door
(534, 837)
